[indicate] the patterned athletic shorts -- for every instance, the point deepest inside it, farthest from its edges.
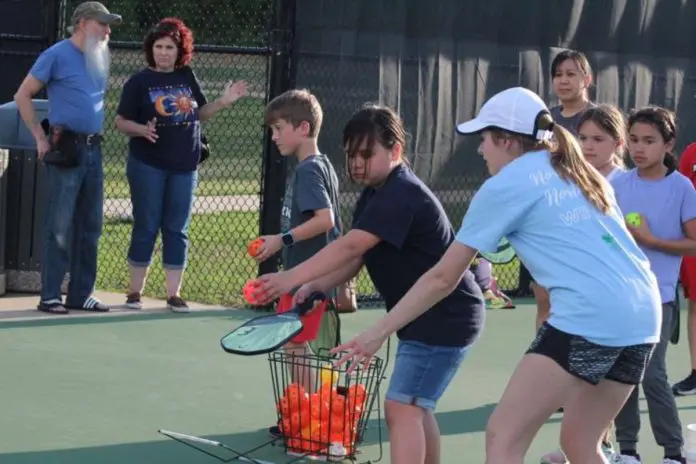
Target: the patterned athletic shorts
(589, 361)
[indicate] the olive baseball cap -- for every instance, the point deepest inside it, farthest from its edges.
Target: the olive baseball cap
(96, 11)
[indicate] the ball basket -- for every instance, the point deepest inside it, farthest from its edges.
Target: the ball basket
(325, 415)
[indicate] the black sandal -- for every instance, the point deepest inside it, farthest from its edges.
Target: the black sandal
(52, 308)
(91, 304)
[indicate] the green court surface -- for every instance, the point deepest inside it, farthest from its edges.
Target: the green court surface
(96, 390)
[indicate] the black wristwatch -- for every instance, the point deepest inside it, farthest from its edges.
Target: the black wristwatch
(287, 239)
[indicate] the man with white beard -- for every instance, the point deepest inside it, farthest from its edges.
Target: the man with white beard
(74, 72)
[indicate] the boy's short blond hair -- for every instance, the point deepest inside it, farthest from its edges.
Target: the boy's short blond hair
(295, 106)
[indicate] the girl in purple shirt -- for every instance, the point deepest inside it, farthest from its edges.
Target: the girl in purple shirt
(666, 203)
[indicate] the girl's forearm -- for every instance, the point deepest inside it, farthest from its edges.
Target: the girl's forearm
(683, 247)
(339, 276)
(326, 261)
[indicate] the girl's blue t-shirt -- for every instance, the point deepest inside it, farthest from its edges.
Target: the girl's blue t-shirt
(599, 280)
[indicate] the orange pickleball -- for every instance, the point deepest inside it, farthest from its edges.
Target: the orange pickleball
(249, 290)
(254, 247)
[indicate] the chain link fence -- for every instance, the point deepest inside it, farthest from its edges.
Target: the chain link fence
(339, 52)
(344, 82)
(230, 44)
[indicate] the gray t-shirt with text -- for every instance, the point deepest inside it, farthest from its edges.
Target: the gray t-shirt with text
(312, 186)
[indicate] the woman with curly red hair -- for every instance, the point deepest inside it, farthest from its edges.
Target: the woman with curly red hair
(161, 110)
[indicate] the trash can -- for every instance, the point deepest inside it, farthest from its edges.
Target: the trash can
(22, 201)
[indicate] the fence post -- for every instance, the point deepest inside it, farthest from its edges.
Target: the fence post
(281, 78)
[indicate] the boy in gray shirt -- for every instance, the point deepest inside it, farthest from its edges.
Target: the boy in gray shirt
(310, 215)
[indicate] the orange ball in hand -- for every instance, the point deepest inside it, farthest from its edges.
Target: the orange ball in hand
(254, 247)
(249, 289)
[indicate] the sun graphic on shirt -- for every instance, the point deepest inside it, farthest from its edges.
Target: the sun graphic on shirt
(183, 104)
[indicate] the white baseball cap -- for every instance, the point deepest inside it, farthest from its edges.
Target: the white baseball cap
(517, 110)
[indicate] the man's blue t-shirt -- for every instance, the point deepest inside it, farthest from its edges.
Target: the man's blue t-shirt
(174, 98)
(415, 233)
(600, 283)
(75, 98)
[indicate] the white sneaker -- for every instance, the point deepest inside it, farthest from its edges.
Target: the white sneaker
(623, 459)
(670, 461)
(557, 457)
(611, 455)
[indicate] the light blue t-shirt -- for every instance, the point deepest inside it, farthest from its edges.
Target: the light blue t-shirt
(75, 98)
(666, 204)
(599, 280)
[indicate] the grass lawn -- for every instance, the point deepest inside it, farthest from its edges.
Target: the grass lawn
(218, 176)
(218, 264)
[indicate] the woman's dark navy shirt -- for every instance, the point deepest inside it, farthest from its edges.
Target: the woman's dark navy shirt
(415, 233)
(174, 98)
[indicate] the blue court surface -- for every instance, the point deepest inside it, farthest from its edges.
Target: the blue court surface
(96, 390)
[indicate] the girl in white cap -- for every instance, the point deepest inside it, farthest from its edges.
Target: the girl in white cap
(561, 217)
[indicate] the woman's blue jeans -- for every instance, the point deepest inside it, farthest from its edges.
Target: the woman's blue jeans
(162, 202)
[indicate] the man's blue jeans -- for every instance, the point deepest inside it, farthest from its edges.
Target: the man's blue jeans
(72, 227)
(162, 202)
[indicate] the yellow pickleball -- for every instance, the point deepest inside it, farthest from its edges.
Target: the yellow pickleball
(633, 219)
(328, 375)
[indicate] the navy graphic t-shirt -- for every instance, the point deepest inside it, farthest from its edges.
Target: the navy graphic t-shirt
(415, 233)
(174, 98)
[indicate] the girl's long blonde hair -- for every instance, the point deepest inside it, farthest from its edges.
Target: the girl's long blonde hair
(566, 159)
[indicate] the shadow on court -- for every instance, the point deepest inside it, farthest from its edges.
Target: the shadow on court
(163, 451)
(167, 451)
(233, 315)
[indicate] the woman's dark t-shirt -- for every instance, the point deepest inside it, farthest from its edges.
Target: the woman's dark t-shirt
(415, 233)
(174, 98)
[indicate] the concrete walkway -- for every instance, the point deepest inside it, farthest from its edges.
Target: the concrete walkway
(121, 208)
(22, 306)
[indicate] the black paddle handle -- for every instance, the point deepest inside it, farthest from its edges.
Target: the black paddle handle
(308, 303)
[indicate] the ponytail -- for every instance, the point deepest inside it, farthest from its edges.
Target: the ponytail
(670, 162)
(566, 158)
(570, 165)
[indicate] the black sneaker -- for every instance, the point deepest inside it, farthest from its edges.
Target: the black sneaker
(686, 386)
(133, 301)
(177, 304)
(275, 432)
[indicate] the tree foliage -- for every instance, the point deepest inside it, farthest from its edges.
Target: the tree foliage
(213, 22)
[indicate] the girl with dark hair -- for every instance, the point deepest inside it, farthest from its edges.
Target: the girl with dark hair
(161, 109)
(662, 205)
(560, 216)
(571, 76)
(399, 231)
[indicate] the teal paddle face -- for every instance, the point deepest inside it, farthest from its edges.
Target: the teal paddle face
(503, 255)
(262, 334)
